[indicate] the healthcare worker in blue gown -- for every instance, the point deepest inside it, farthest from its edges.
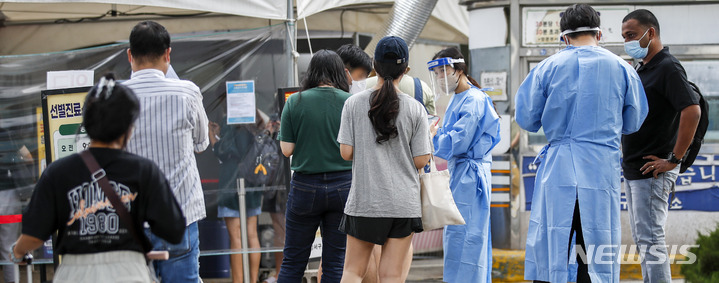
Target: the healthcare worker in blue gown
(469, 132)
(585, 98)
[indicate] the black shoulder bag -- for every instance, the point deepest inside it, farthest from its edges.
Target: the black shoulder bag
(702, 127)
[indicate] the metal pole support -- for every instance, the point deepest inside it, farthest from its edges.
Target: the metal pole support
(243, 228)
(28, 268)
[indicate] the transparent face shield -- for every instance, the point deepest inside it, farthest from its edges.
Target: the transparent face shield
(444, 76)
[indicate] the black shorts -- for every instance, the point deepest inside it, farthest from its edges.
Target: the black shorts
(377, 230)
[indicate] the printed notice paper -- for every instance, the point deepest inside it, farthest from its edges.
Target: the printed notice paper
(495, 83)
(240, 102)
(69, 79)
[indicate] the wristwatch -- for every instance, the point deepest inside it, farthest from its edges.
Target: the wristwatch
(673, 158)
(27, 258)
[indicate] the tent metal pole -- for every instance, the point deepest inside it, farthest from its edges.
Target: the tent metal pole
(243, 229)
(289, 45)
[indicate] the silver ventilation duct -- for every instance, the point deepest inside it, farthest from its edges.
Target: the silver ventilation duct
(406, 20)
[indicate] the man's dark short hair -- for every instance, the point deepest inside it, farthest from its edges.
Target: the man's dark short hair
(579, 15)
(354, 57)
(644, 17)
(149, 40)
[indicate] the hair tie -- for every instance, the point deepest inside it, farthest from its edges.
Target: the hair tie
(100, 84)
(104, 82)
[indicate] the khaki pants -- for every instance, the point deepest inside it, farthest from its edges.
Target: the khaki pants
(116, 266)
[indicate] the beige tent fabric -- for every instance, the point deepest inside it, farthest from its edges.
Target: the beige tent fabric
(33, 26)
(24, 10)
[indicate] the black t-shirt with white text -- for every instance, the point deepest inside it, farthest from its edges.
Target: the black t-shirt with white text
(68, 201)
(668, 93)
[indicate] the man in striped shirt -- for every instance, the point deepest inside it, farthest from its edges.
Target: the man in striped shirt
(172, 126)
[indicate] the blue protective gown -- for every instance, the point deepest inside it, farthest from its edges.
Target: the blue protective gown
(468, 134)
(585, 98)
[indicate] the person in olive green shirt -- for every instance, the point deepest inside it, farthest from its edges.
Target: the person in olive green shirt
(321, 182)
(310, 121)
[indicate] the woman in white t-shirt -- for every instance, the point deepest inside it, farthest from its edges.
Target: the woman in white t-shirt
(386, 135)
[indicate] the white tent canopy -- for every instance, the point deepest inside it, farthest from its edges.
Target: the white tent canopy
(23, 10)
(38, 26)
(34, 10)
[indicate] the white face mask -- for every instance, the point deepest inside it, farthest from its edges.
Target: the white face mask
(635, 50)
(451, 80)
(358, 86)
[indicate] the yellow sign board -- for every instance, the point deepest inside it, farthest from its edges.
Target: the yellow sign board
(40, 141)
(62, 122)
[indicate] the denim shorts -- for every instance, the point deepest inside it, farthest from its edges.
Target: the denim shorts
(377, 230)
(229, 212)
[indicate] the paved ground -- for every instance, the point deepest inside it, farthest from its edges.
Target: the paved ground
(429, 270)
(623, 281)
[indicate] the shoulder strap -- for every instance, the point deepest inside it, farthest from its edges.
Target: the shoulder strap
(98, 175)
(418, 92)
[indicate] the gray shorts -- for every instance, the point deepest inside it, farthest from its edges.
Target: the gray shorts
(115, 266)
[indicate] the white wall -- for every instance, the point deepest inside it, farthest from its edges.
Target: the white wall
(487, 28)
(686, 24)
(680, 24)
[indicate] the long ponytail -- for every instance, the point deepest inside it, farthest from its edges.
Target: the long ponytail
(384, 102)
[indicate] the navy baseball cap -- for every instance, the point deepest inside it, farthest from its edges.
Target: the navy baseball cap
(391, 49)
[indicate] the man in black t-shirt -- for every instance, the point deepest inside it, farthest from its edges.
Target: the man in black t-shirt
(658, 148)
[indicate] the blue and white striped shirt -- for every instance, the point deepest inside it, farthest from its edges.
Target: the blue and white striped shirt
(172, 126)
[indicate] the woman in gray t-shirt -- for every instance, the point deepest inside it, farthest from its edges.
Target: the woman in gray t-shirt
(386, 135)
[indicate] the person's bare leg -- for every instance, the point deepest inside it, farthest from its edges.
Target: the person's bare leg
(357, 254)
(319, 272)
(407, 262)
(253, 241)
(233, 229)
(394, 253)
(372, 276)
(278, 224)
